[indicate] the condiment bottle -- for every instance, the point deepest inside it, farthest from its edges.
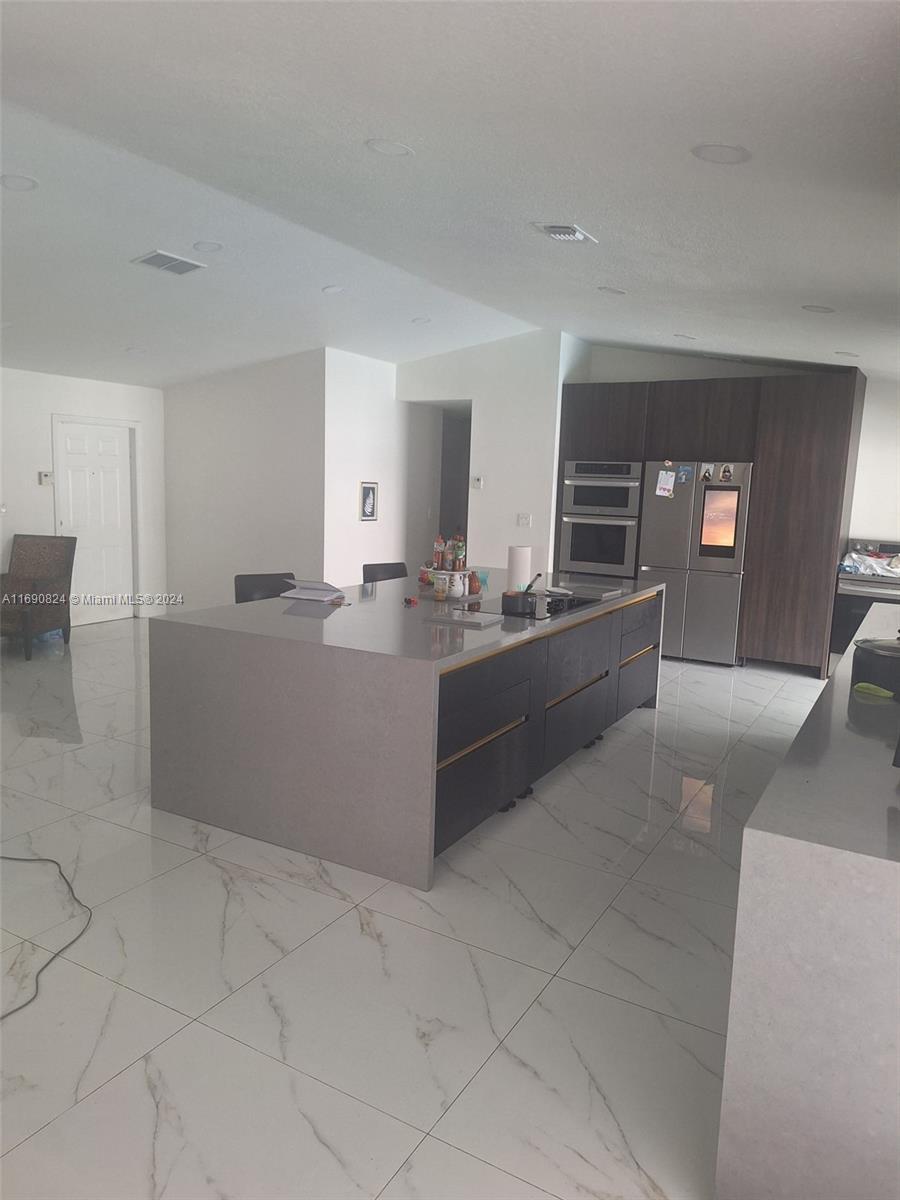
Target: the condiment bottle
(437, 560)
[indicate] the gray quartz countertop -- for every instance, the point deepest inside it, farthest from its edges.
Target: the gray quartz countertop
(837, 786)
(376, 620)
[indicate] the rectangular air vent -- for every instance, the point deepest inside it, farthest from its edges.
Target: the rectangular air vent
(169, 262)
(565, 233)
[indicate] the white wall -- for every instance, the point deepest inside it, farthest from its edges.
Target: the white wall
(876, 494)
(513, 385)
(618, 364)
(29, 400)
(371, 436)
(245, 475)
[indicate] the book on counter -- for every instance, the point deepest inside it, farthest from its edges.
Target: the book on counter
(306, 589)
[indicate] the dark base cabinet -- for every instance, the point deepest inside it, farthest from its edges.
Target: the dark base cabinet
(509, 719)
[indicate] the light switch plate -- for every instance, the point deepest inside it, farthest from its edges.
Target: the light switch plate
(524, 519)
(45, 478)
(477, 482)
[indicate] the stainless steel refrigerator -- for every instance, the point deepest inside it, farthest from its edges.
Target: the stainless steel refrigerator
(693, 531)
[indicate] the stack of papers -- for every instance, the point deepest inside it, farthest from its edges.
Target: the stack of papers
(305, 589)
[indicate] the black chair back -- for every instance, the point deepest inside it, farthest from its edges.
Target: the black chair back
(373, 572)
(260, 587)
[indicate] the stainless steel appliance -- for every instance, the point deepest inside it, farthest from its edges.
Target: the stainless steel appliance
(601, 503)
(693, 530)
(602, 489)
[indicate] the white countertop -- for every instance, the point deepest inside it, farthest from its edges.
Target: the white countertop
(837, 786)
(376, 620)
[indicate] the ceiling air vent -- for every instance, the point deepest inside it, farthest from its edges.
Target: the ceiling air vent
(169, 262)
(565, 233)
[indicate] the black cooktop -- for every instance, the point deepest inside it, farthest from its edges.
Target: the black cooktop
(547, 605)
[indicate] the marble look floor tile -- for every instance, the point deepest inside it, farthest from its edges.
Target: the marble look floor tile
(190, 938)
(8, 939)
(26, 740)
(741, 778)
(136, 629)
(591, 1096)
(116, 715)
(436, 1171)
(792, 710)
(573, 824)
(84, 778)
(331, 879)
(529, 906)
(204, 1118)
(51, 696)
(773, 733)
(663, 950)
(385, 1011)
(138, 737)
(120, 664)
(743, 683)
(715, 704)
(136, 812)
(700, 855)
(20, 813)
(693, 738)
(80, 1031)
(645, 779)
(99, 859)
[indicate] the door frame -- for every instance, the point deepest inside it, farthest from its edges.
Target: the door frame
(134, 442)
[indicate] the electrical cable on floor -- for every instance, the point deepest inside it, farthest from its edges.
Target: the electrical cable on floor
(87, 908)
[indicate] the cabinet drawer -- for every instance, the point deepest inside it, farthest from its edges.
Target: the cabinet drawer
(483, 715)
(641, 626)
(471, 789)
(637, 681)
(458, 688)
(577, 656)
(575, 721)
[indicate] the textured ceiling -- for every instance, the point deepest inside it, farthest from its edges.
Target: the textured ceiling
(522, 112)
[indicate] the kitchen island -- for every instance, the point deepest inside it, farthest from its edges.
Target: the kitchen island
(811, 1101)
(375, 735)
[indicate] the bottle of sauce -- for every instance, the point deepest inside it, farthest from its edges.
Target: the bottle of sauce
(459, 552)
(437, 560)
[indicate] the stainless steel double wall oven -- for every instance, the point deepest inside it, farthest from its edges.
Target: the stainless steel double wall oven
(600, 510)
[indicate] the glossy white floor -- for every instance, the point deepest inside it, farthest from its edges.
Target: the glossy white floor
(243, 1021)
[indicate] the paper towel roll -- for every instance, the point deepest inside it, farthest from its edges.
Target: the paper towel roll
(518, 567)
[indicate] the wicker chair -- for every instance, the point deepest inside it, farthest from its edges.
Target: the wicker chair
(39, 566)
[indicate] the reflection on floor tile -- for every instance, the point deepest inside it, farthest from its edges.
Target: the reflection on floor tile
(84, 778)
(21, 813)
(136, 812)
(436, 1171)
(100, 860)
(663, 950)
(700, 855)
(80, 1031)
(389, 1013)
(8, 939)
(26, 740)
(331, 879)
(116, 715)
(529, 906)
(572, 823)
(592, 1096)
(190, 938)
(202, 1118)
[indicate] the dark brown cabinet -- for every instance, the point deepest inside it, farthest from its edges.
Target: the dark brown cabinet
(804, 467)
(693, 419)
(603, 421)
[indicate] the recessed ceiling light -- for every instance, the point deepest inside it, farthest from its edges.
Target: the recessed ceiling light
(846, 354)
(389, 149)
(208, 247)
(716, 152)
(564, 233)
(421, 321)
(687, 337)
(332, 289)
(611, 291)
(18, 183)
(816, 308)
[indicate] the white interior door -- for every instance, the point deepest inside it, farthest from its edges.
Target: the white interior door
(92, 469)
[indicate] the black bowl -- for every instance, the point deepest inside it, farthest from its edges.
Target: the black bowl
(518, 604)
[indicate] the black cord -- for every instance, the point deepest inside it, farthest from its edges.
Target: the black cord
(56, 954)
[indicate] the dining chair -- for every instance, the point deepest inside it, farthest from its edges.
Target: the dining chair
(40, 566)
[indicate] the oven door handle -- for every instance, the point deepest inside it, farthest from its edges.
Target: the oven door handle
(601, 481)
(599, 521)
